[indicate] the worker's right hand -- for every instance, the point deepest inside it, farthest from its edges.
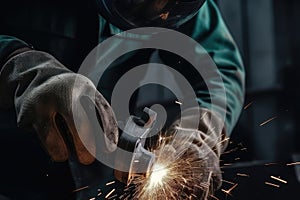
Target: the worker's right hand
(45, 97)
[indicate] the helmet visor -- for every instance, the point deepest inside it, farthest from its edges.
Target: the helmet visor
(127, 14)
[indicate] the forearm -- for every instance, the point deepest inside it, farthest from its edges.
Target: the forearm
(209, 29)
(24, 72)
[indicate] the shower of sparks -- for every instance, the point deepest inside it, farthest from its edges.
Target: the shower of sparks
(173, 178)
(248, 105)
(79, 189)
(295, 163)
(272, 184)
(267, 121)
(278, 179)
(112, 191)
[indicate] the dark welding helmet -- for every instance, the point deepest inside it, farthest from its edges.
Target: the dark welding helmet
(127, 14)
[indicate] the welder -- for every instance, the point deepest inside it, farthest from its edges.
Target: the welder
(42, 45)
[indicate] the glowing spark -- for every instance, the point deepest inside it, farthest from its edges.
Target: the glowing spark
(110, 183)
(271, 184)
(178, 102)
(278, 179)
(99, 194)
(267, 164)
(267, 121)
(79, 189)
(212, 196)
(243, 175)
(248, 105)
(112, 191)
(92, 198)
(230, 189)
(231, 150)
(114, 196)
(295, 163)
(228, 182)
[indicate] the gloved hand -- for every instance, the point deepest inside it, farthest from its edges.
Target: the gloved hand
(43, 93)
(198, 151)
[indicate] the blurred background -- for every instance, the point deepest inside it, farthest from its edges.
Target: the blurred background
(268, 35)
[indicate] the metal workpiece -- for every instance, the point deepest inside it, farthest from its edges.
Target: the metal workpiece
(132, 159)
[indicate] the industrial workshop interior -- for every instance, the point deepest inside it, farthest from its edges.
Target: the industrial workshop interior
(150, 99)
(267, 34)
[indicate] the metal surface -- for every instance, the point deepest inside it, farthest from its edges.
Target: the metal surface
(132, 140)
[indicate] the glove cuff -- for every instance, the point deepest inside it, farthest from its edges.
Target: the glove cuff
(11, 46)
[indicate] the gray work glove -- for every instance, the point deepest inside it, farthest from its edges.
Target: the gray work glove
(43, 93)
(199, 151)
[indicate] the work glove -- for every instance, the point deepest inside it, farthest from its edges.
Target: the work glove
(45, 98)
(196, 152)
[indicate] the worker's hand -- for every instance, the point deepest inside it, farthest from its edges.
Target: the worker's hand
(199, 150)
(47, 96)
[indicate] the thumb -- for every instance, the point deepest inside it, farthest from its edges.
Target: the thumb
(52, 140)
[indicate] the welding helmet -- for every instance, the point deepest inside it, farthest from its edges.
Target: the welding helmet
(127, 14)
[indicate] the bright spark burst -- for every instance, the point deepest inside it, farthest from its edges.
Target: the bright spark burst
(158, 175)
(173, 177)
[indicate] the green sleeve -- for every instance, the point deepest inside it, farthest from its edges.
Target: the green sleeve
(209, 29)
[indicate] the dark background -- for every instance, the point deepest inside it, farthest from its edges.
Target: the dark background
(268, 35)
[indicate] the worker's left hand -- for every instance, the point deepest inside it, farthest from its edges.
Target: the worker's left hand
(65, 108)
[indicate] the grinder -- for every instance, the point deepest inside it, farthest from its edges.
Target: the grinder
(131, 156)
